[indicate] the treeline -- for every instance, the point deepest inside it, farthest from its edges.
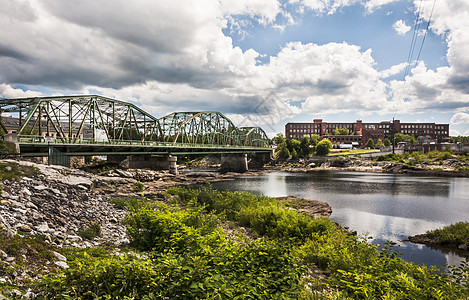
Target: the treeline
(304, 148)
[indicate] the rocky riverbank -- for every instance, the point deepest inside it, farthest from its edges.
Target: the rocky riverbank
(60, 204)
(450, 167)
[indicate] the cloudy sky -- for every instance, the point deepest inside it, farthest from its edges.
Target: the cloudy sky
(261, 62)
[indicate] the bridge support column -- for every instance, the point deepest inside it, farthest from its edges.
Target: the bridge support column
(258, 160)
(234, 163)
(166, 162)
(13, 138)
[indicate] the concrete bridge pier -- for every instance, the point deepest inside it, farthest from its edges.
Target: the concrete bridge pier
(166, 162)
(234, 163)
(258, 160)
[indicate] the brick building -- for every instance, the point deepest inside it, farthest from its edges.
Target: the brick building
(361, 132)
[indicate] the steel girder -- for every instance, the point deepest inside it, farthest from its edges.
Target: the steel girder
(97, 118)
(199, 128)
(254, 136)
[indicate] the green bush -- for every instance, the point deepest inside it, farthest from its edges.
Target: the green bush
(454, 234)
(323, 147)
(138, 187)
(90, 231)
(165, 230)
(259, 270)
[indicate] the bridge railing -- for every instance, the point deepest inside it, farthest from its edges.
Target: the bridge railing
(87, 141)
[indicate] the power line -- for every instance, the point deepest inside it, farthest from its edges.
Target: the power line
(426, 30)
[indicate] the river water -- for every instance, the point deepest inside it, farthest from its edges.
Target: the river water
(386, 207)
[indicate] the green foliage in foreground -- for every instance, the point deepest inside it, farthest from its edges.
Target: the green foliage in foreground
(454, 234)
(180, 252)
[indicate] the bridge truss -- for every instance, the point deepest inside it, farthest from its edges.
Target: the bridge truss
(92, 119)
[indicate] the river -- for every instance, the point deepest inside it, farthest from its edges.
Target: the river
(386, 207)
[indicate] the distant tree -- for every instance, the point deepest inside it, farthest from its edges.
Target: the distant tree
(370, 144)
(387, 142)
(279, 139)
(283, 152)
(344, 131)
(294, 154)
(305, 149)
(379, 144)
(323, 147)
(336, 131)
(399, 138)
(293, 144)
(314, 139)
(282, 148)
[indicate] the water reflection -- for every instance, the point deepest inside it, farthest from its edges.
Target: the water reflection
(386, 206)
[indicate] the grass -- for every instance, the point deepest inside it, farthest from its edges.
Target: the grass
(453, 234)
(337, 152)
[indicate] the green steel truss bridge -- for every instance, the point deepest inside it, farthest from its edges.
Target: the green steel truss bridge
(96, 125)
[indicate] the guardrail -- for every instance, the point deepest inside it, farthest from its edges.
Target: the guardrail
(55, 141)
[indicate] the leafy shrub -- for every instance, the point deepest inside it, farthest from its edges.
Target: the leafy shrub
(179, 231)
(90, 231)
(454, 234)
(129, 203)
(323, 147)
(138, 187)
(390, 157)
(259, 270)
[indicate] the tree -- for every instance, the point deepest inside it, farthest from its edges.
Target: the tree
(305, 149)
(279, 139)
(282, 148)
(387, 142)
(344, 131)
(399, 138)
(323, 147)
(293, 144)
(314, 139)
(379, 143)
(283, 152)
(370, 144)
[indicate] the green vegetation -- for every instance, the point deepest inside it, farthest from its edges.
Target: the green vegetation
(7, 148)
(31, 253)
(138, 187)
(295, 148)
(431, 158)
(454, 234)
(404, 138)
(341, 131)
(14, 171)
(323, 147)
(91, 231)
(337, 152)
(370, 144)
(179, 251)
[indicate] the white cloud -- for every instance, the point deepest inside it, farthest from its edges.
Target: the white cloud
(7, 91)
(331, 6)
(466, 133)
(372, 5)
(265, 10)
(393, 70)
(460, 118)
(400, 27)
(328, 6)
